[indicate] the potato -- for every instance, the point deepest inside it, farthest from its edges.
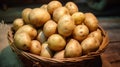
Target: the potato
(90, 44)
(97, 34)
(80, 32)
(44, 6)
(53, 5)
(66, 25)
(78, 17)
(45, 51)
(41, 36)
(17, 23)
(56, 42)
(35, 47)
(50, 27)
(29, 29)
(73, 49)
(59, 12)
(25, 15)
(72, 7)
(39, 16)
(59, 55)
(22, 41)
(91, 21)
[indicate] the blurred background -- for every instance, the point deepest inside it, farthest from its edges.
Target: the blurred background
(11, 9)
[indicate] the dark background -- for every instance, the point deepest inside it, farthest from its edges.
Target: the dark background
(11, 9)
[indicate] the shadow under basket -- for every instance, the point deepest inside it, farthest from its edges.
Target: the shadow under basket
(38, 61)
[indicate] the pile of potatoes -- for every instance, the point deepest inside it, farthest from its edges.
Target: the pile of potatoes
(57, 31)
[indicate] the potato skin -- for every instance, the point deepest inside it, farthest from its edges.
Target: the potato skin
(56, 42)
(22, 41)
(17, 23)
(90, 44)
(25, 15)
(72, 7)
(49, 28)
(73, 49)
(91, 21)
(80, 32)
(66, 25)
(53, 5)
(59, 12)
(35, 47)
(39, 16)
(78, 17)
(59, 55)
(44, 6)
(97, 34)
(29, 29)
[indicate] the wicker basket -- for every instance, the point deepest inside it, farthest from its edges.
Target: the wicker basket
(82, 61)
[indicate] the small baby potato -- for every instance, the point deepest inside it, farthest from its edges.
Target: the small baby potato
(17, 23)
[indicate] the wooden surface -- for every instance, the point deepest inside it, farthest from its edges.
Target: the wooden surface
(111, 56)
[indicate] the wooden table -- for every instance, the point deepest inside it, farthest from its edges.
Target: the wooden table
(111, 56)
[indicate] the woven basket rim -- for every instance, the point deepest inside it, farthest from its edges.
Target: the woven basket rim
(37, 58)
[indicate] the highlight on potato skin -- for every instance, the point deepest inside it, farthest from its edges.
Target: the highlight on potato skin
(38, 17)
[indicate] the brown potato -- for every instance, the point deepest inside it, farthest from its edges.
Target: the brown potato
(56, 42)
(22, 41)
(49, 28)
(80, 32)
(53, 5)
(66, 25)
(41, 36)
(90, 44)
(91, 21)
(73, 49)
(17, 23)
(78, 17)
(72, 7)
(44, 6)
(45, 51)
(97, 34)
(35, 47)
(59, 12)
(59, 55)
(25, 15)
(29, 29)
(39, 16)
